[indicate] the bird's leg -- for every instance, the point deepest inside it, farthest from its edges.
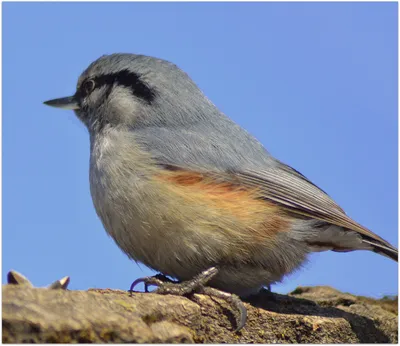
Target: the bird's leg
(196, 285)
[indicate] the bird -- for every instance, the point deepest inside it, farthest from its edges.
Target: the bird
(183, 189)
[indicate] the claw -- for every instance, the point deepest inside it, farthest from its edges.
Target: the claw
(239, 311)
(196, 285)
(137, 282)
(157, 280)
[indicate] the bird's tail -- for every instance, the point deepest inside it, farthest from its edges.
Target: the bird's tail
(339, 239)
(383, 248)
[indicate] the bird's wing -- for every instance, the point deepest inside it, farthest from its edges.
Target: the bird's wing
(274, 180)
(297, 194)
(292, 191)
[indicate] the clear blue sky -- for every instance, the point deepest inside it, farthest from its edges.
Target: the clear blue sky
(316, 83)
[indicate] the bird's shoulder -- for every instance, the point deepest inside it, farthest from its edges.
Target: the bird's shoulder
(223, 147)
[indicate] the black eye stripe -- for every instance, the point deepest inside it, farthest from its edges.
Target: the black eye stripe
(128, 79)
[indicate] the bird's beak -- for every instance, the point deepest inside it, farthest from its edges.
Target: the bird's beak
(69, 102)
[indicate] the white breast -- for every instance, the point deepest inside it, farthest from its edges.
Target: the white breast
(119, 182)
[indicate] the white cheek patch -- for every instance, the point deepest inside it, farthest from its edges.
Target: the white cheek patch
(123, 102)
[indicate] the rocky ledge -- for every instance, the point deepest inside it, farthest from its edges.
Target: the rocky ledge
(307, 315)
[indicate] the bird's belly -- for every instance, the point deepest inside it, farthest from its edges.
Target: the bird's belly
(145, 224)
(180, 236)
(150, 228)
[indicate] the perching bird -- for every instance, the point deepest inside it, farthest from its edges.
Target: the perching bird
(183, 189)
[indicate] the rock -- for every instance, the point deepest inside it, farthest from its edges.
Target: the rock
(307, 315)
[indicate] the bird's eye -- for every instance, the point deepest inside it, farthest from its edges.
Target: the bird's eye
(88, 86)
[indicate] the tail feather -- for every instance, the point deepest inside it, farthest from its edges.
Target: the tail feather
(383, 248)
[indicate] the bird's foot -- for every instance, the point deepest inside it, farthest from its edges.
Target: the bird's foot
(196, 285)
(238, 308)
(168, 286)
(156, 280)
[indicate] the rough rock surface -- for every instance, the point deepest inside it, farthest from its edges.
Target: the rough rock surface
(307, 315)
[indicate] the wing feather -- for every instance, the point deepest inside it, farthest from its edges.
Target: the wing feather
(301, 196)
(293, 191)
